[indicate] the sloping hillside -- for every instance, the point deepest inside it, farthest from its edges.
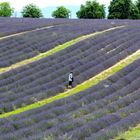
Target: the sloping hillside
(35, 104)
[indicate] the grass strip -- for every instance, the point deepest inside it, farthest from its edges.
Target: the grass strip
(87, 84)
(131, 134)
(25, 32)
(54, 50)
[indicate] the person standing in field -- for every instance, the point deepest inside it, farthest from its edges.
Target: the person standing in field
(70, 79)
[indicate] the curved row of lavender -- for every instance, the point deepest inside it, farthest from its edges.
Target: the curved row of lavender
(18, 48)
(99, 113)
(10, 26)
(48, 77)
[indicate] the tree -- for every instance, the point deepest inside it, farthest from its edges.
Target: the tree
(61, 12)
(91, 9)
(5, 9)
(123, 9)
(138, 4)
(31, 11)
(134, 12)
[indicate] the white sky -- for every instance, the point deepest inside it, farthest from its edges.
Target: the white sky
(19, 4)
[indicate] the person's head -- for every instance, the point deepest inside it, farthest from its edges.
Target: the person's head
(71, 72)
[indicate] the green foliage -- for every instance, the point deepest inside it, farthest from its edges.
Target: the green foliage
(5, 9)
(134, 12)
(138, 5)
(123, 9)
(61, 12)
(31, 11)
(91, 10)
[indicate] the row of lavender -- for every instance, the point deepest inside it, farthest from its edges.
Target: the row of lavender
(18, 48)
(48, 76)
(99, 113)
(10, 26)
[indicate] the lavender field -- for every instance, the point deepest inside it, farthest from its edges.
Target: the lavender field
(24, 46)
(100, 112)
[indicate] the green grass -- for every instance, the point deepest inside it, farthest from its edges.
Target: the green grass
(94, 80)
(131, 134)
(54, 50)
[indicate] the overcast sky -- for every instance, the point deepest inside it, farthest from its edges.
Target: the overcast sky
(19, 4)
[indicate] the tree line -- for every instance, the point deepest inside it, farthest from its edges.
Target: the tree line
(118, 9)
